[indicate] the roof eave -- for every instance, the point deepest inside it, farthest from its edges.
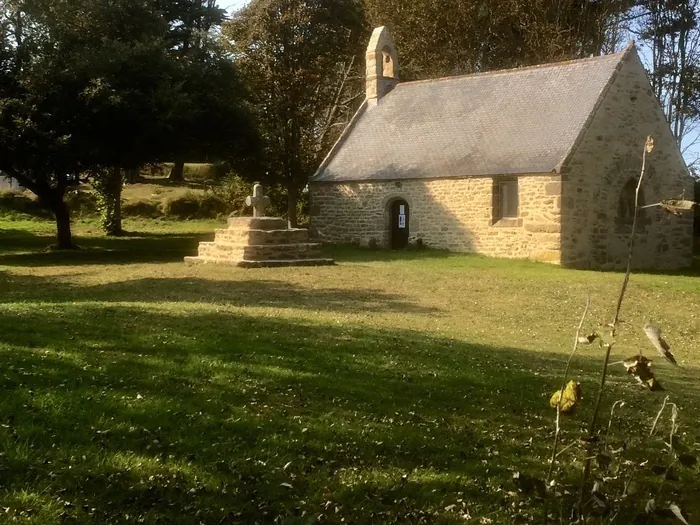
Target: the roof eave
(339, 180)
(341, 140)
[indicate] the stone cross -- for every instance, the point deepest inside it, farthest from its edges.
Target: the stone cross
(258, 201)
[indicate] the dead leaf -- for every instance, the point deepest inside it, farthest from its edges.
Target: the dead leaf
(678, 513)
(640, 367)
(604, 459)
(649, 146)
(567, 401)
(598, 496)
(653, 332)
(677, 206)
(588, 339)
(529, 484)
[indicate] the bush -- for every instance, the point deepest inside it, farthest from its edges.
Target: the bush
(233, 191)
(81, 203)
(155, 170)
(195, 206)
(19, 201)
(141, 208)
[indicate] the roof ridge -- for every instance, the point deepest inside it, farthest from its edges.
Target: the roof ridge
(620, 54)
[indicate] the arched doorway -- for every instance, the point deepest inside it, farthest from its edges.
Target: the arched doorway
(399, 224)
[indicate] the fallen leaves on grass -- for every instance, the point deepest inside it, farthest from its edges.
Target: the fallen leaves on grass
(529, 485)
(587, 339)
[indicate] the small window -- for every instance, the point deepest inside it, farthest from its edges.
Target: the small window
(508, 199)
(625, 204)
(625, 208)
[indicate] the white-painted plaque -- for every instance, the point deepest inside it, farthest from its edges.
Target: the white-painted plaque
(402, 221)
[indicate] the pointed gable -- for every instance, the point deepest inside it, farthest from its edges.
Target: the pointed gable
(515, 121)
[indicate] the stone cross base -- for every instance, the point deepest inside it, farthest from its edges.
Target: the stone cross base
(258, 242)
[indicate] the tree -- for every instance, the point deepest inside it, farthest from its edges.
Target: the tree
(72, 92)
(669, 31)
(301, 64)
(89, 87)
(440, 38)
(193, 41)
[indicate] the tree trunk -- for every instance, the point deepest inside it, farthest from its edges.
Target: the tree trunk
(177, 173)
(292, 198)
(63, 233)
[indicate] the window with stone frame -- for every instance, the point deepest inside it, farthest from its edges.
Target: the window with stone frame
(505, 200)
(625, 207)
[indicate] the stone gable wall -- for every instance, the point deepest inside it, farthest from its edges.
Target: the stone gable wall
(454, 214)
(609, 155)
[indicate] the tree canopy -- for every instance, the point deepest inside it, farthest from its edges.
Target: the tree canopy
(94, 84)
(299, 61)
(440, 38)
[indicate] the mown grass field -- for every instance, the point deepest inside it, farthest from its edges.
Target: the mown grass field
(390, 388)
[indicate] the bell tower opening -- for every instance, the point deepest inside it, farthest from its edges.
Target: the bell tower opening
(388, 70)
(382, 73)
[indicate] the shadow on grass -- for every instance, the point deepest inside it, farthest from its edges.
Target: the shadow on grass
(249, 292)
(353, 253)
(693, 271)
(32, 250)
(117, 413)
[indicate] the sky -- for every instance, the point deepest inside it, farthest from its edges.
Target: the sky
(232, 5)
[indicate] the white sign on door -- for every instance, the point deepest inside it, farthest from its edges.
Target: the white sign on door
(402, 209)
(402, 221)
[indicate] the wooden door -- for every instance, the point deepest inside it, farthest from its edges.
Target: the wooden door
(399, 225)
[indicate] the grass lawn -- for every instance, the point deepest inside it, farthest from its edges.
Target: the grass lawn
(390, 388)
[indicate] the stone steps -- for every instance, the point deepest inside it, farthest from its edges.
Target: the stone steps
(275, 263)
(261, 237)
(260, 251)
(258, 242)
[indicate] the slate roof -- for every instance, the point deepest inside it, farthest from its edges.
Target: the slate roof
(506, 122)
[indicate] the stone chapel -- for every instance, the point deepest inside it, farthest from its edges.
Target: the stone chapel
(536, 162)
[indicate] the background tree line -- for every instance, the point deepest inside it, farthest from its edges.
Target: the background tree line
(101, 87)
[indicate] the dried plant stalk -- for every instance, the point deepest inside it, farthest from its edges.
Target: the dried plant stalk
(563, 387)
(557, 432)
(612, 413)
(656, 419)
(648, 147)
